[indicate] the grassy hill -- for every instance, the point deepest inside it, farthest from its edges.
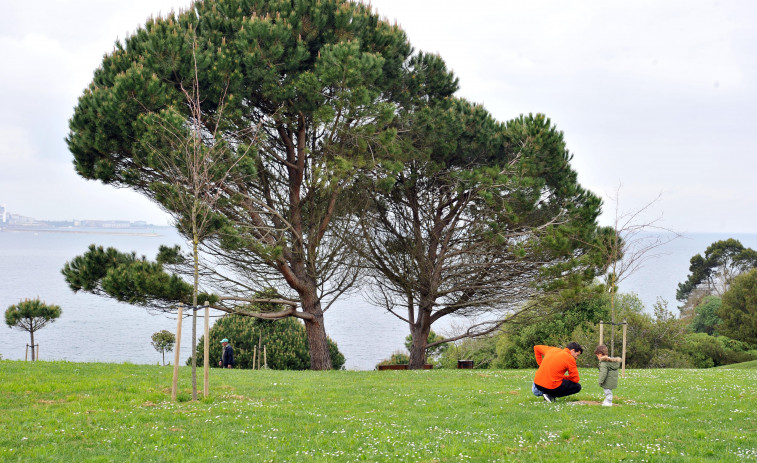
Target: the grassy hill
(59, 411)
(741, 366)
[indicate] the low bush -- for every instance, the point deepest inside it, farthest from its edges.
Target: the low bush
(285, 342)
(397, 358)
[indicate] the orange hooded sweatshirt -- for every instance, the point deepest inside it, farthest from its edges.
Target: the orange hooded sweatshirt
(553, 363)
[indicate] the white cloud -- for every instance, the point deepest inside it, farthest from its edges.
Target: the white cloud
(656, 95)
(16, 147)
(36, 65)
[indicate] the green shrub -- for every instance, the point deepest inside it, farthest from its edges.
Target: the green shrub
(738, 312)
(397, 358)
(706, 315)
(712, 351)
(483, 352)
(668, 358)
(285, 342)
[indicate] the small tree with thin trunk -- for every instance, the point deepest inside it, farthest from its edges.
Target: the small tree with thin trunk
(31, 315)
(629, 247)
(163, 342)
(191, 152)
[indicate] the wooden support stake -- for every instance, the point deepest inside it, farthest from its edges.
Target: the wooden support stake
(265, 358)
(206, 352)
(601, 332)
(26, 354)
(175, 382)
(260, 348)
(625, 326)
(254, 355)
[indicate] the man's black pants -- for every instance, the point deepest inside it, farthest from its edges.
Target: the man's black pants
(567, 387)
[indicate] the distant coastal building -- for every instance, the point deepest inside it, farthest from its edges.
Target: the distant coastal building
(106, 223)
(20, 221)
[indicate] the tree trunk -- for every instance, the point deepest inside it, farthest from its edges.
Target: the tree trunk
(320, 357)
(32, 333)
(177, 347)
(419, 332)
(195, 241)
(612, 323)
(206, 353)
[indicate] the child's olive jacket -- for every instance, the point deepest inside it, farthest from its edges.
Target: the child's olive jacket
(608, 372)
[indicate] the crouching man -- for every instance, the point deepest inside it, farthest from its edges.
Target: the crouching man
(554, 363)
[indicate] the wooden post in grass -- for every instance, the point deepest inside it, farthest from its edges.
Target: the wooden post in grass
(601, 332)
(254, 355)
(175, 382)
(265, 358)
(26, 354)
(625, 329)
(260, 348)
(206, 352)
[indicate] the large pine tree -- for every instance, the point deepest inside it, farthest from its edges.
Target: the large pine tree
(298, 93)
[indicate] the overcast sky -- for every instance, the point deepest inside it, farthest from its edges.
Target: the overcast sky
(658, 97)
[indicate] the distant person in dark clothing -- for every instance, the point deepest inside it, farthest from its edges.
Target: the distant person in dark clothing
(227, 358)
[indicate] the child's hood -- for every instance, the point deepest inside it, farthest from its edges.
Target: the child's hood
(605, 358)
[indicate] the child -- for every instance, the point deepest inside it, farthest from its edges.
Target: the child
(608, 372)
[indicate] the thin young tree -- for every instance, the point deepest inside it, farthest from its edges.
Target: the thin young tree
(31, 315)
(634, 239)
(198, 161)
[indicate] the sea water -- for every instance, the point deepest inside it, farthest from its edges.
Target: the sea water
(97, 329)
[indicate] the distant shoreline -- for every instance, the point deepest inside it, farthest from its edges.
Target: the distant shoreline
(78, 232)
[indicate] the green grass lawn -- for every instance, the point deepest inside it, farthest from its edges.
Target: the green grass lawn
(741, 366)
(59, 411)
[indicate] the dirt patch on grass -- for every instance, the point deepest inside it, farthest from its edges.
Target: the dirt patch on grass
(587, 402)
